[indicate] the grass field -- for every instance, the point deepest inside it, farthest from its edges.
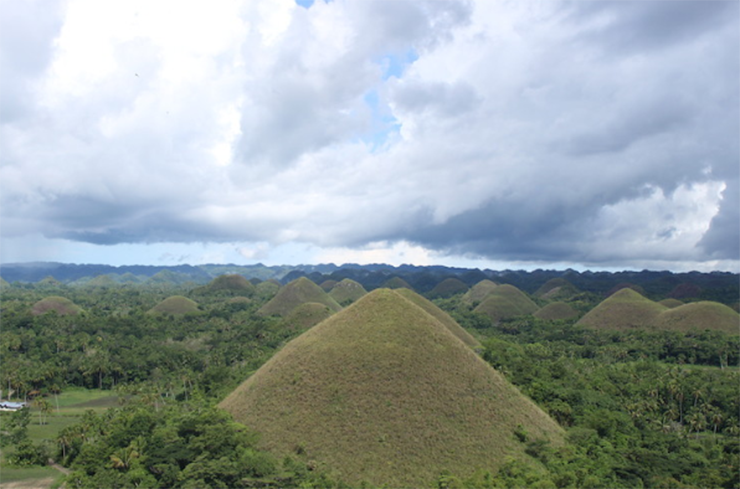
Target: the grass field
(29, 477)
(72, 404)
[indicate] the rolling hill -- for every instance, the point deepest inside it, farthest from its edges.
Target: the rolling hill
(295, 293)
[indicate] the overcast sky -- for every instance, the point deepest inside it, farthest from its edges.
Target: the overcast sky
(490, 133)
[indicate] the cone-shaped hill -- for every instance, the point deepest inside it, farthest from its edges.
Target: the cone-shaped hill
(556, 311)
(4, 283)
(556, 288)
(307, 315)
(347, 291)
(700, 316)
(670, 303)
(175, 304)
(327, 285)
(440, 316)
(624, 309)
(383, 392)
(479, 291)
(295, 293)
(505, 302)
(231, 284)
(397, 283)
(61, 305)
(448, 287)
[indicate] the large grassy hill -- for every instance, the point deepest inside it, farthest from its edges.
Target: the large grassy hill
(624, 309)
(555, 311)
(448, 287)
(383, 392)
(505, 302)
(175, 304)
(307, 315)
(295, 293)
(700, 316)
(347, 291)
(478, 292)
(440, 316)
(61, 305)
(230, 284)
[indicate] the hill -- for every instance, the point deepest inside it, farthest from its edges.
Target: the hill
(229, 285)
(624, 309)
(555, 311)
(505, 302)
(382, 392)
(440, 316)
(700, 316)
(556, 288)
(448, 287)
(175, 304)
(61, 305)
(295, 293)
(347, 291)
(396, 283)
(478, 292)
(307, 315)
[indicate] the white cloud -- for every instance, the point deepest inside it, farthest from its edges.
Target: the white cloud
(518, 131)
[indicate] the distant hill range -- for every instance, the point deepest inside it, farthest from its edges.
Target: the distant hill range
(716, 286)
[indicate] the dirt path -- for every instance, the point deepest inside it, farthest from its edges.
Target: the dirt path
(61, 469)
(29, 484)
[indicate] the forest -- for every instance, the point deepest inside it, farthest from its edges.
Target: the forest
(639, 407)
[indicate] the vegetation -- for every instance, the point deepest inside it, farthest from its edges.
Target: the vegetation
(382, 392)
(176, 304)
(295, 293)
(640, 406)
(59, 305)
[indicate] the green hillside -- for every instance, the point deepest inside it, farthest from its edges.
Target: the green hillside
(505, 302)
(382, 392)
(397, 283)
(556, 288)
(295, 293)
(175, 304)
(448, 287)
(307, 315)
(347, 291)
(624, 309)
(555, 311)
(478, 292)
(440, 316)
(700, 316)
(61, 305)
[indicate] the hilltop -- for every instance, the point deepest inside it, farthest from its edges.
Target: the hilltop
(297, 292)
(383, 392)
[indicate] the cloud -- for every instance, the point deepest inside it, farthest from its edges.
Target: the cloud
(603, 133)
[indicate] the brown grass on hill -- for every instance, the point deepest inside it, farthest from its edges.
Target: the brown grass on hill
(307, 315)
(295, 293)
(267, 289)
(506, 302)
(440, 316)
(624, 309)
(233, 283)
(396, 283)
(700, 316)
(61, 305)
(478, 292)
(556, 288)
(383, 392)
(556, 311)
(670, 303)
(448, 287)
(175, 304)
(327, 285)
(347, 291)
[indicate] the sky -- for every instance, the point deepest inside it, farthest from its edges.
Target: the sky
(496, 134)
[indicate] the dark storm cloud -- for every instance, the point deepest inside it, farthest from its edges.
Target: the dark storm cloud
(638, 26)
